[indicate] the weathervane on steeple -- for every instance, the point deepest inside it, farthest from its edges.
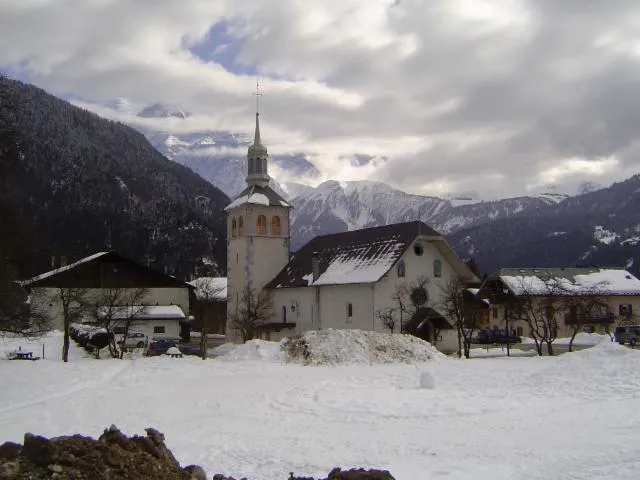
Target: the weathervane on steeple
(258, 95)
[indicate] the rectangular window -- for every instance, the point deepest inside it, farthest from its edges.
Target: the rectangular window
(349, 310)
(118, 330)
(624, 310)
(494, 312)
(159, 329)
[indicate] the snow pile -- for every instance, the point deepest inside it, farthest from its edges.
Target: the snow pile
(335, 347)
(582, 339)
(607, 365)
(254, 350)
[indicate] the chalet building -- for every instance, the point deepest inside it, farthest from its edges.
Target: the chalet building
(334, 281)
(161, 302)
(591, 299)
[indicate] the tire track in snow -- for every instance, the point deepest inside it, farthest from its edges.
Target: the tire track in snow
(84, 385)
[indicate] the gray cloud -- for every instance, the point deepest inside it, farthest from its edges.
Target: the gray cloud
(493, 96)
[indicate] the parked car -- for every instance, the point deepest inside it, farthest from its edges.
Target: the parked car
(160, 347)
(496, 335)
(627, 334)
(134, 339)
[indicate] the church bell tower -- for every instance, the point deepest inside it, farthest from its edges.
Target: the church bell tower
(257, 233)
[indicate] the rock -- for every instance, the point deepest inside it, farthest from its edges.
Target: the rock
(10, 450)
(9, 470)
(195, 472)
(359, 474)
(55, 468)
(38, 450)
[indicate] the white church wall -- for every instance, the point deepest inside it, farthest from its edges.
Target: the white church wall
(303, 312)
(334, 307)
(415, 267)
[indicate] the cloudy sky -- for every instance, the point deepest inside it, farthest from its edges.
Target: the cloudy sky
(500, 97)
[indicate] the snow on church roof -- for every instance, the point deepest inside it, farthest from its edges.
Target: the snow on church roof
(257, 195)
(569, 281)
(358, 256)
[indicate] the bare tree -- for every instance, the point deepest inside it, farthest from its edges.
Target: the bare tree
(452, 305)
(388, 318)
(73, 304)
(255, 308)
(119, 307)
(400, 304)
(539, 303)
(585, 307)
(209, 308)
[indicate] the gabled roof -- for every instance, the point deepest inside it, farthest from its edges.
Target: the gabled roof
(567, 281)
(257, 195)
(56, 271)
(358, 256)
(94, 272)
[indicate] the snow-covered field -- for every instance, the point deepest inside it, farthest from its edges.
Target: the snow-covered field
(250, 413)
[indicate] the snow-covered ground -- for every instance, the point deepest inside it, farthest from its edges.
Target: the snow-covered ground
(251, 413)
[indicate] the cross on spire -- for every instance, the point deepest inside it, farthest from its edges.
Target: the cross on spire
(258, 95)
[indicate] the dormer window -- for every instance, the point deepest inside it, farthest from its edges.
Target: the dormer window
(262, 225)
(276, 228)
(400, 268)
(240, 226)
(437, 268)
(233, 227)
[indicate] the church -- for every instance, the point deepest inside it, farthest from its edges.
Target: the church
(337, 281)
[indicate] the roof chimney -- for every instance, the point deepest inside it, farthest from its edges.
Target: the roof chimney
(315, 266)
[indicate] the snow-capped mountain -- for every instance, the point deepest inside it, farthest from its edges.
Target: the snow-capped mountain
(339, 206)
(161, 110)
(220, 156)
(598, 228)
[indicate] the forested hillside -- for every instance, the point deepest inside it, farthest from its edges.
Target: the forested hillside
(74, 183)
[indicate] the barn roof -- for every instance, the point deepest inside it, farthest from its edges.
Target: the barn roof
(257, 195)
(90, 272)
(358, 256)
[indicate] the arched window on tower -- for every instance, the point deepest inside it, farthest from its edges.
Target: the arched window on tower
(262, 224)
(240, 226)
(437, 268)
(233, 227)
(276, 229)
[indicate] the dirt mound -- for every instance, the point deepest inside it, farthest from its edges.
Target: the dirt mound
(116, 456)
(335, 347)
(113, 455)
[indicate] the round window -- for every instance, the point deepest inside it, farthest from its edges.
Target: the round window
(418, 249)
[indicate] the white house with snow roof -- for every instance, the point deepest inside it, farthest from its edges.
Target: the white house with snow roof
(334, 281)
(549, 291)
